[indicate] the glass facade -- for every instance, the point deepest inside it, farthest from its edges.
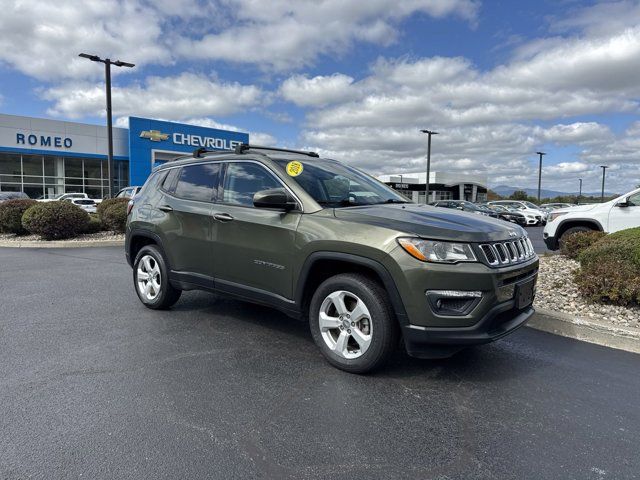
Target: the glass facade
(43, 176)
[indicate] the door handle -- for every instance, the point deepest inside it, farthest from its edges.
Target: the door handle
(165, 208)
(223, 217)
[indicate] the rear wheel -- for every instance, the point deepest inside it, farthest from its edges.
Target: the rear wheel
(151, 279)
(352, 323)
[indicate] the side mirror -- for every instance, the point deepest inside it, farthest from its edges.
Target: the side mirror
(623, 204)
(277, 198)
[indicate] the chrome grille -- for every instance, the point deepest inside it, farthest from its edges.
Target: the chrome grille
(508, 252)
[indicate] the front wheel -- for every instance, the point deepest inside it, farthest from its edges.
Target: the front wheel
(151, 279)
(571, 231)
(352, 323)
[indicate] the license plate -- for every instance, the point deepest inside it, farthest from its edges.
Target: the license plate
(525, 293)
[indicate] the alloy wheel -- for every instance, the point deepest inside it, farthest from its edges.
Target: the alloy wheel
(148, 278)
(345, 324)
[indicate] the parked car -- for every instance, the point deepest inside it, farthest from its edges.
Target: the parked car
(87, 204)
(128, 192)
(465, 206)
(532, 213)
(555, 206)
(618, 214)
(510, 215)
(4, 196)
(322, 241)
(63, 196)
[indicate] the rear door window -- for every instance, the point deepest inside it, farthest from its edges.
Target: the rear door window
(198, 182)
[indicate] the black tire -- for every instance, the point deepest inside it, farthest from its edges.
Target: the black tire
(384, 328)
(167, 295)
(570, 231)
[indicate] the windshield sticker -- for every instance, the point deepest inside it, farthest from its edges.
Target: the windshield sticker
(294, 169)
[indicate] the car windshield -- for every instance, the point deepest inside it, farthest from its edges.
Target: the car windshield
(531, 205)
(333, 184)
(468, 205)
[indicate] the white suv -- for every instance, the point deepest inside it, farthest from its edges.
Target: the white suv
(618, 214)
(531, 212)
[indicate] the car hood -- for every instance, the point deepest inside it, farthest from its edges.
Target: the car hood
(431, 222)
(580, 208)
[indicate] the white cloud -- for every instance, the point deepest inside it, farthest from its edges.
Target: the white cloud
(174, 98)
(286, 35)
(600, 19)
(43, 39)
(317, 91)
(256, 138)
(493, 121)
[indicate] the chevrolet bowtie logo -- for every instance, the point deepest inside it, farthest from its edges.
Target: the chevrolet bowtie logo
(154, 135)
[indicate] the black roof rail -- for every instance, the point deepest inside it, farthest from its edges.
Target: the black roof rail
(199, 152)
(243, 147)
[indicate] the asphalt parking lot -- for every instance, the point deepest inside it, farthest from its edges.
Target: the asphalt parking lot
(94, 385)
(535, 234)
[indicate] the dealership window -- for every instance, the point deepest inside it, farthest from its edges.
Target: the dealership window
(442, 195)
(51, 175)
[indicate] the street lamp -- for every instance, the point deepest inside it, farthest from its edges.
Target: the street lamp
(107, 73)
(579, 192)
(604, 170)
(540, 173)
(429, 133)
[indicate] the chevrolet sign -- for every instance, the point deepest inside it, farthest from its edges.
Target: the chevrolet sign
(206, 142)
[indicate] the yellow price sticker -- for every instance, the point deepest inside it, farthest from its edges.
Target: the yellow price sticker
(294, 169)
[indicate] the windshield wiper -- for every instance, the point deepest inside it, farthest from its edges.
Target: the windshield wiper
(394, 200)
(338, 203)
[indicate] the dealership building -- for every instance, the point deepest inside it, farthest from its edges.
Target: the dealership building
(44, 157)
(442, 186)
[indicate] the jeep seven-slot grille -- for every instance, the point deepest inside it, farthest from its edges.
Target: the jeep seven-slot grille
(508, 252)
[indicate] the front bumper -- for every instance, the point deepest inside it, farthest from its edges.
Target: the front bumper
(438, 342)
(551, 242)
(431, 332)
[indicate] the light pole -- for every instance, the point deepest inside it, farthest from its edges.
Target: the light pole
(540, 174)
(604, 170)
(579, 192)
(107, 73)
(426, 193)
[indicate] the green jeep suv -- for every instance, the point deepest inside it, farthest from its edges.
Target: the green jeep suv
(322, 241)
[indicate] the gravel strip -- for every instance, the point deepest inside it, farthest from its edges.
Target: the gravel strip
(92, 237)
(557, 291)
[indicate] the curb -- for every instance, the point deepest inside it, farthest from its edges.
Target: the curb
(63, 244)
(566, 325)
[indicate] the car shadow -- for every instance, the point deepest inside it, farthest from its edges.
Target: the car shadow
(492, 362)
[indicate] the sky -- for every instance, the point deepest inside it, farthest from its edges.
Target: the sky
(354, 80)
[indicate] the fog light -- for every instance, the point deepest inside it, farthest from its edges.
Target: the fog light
(506, 293)
(453, 302)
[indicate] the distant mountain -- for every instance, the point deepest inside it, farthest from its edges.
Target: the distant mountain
(505, 191)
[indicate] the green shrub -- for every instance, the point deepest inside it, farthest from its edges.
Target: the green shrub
(102, 206)
(55, 220)
(114, 218)
(610, 269)
(574, 244)
(94, 225)
(11, 215)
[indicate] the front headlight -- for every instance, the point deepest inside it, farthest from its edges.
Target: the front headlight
(554, 215)
(437, 251)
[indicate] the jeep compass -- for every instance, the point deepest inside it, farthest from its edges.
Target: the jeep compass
(324, 242)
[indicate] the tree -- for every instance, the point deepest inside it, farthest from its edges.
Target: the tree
(491, 195)
(520, 195)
